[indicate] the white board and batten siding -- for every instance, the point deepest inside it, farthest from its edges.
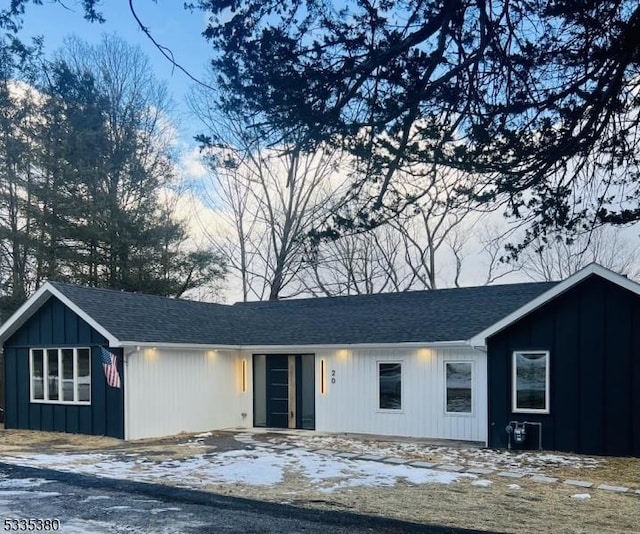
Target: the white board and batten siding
(168, 391)
(350, 402)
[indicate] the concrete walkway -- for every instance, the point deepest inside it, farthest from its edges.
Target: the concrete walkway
(247, 438)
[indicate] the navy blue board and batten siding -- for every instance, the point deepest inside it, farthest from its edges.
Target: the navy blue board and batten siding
(592, 333)
(54, 325)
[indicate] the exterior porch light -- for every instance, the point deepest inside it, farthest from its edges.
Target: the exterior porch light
(244, 376)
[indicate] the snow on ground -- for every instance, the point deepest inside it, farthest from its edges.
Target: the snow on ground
(23, 487)
(20, 483)
(258, 467)
(526, 461)
(482, 483)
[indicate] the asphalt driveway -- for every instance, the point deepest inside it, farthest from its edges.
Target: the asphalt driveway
(88, 504)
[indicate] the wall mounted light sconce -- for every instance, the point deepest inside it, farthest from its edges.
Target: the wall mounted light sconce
(244, 376)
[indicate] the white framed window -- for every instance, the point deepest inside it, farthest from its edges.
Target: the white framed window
(530, 382)
(458, 388)
(390, 386)
(60, 375)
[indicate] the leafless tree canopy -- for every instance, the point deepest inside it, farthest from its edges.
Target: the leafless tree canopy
(541, 98)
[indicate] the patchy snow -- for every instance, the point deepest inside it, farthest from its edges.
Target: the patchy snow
(483, 483)
(163, 510)
(21, 483)
(524, 461)
(12, 487)
(204, 435)
(514, 486)
(242, 467)
(329, 473)
(258, 467)
(193, 443)
(566, 460)
(582, 496)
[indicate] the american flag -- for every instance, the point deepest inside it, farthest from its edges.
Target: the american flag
(110, 368)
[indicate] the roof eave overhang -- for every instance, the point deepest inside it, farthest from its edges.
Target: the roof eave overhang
(342, 346)
(183, 346)
(293, 347)
(33, 304)
(480, 339)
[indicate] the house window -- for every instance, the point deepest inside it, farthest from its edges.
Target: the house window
(458, 387)
(60, 376)
(531, 381)
(390, 386)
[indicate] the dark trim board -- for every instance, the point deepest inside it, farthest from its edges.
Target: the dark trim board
(592, 333)
(55, 325)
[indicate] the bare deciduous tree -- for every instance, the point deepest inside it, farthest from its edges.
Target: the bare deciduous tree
(356, 264)
(559, 259)
(269, 199)
(408, 252)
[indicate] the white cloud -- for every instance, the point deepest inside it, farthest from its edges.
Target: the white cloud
(190, 163)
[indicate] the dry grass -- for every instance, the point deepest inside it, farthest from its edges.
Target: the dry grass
(23, 440)
(498, 508)
(598, 469)
(531, 507)
(160, 448)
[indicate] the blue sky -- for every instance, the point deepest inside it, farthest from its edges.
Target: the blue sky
(171, 25)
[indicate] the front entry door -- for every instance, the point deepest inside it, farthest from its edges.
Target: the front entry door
(284, 390)
(278, 391)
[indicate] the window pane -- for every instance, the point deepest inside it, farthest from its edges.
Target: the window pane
(390, 386)
(84, 375)
(67, 374)
(37, 374)
(52, 379)
(531, 381)
(308, 396)
(458, 387)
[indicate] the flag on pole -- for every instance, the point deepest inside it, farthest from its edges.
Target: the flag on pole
(109, 364)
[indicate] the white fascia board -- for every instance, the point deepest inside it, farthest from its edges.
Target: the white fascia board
(24, 313)
(113, 341)
(342, 346)
(291, 348)
(183, 346)
(479, 340)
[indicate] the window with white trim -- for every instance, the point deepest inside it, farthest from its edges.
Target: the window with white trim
(458, 387)
(531, 381)
(60, 376)
(390, 385)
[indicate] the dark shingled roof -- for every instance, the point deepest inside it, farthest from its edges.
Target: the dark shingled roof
(155, 319)
(415, 316)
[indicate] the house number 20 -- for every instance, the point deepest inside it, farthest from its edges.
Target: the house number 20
(333, 376)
